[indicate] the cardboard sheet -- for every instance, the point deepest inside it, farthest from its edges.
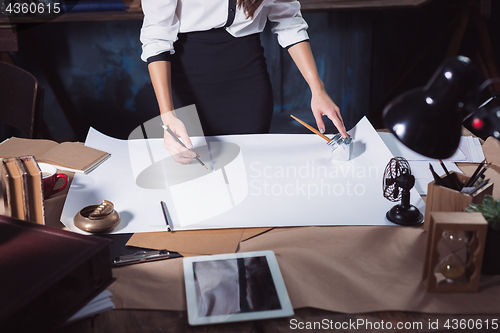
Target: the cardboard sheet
(267, 181)
(195, 241)
(491, 150)
(252, 232)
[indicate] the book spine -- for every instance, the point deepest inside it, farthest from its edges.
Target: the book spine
(16, 177)
(34, 190)
(5, 195)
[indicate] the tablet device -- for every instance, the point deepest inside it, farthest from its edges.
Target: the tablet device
(235, 287)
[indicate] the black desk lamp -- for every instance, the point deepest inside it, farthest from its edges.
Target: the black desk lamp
(428, 119)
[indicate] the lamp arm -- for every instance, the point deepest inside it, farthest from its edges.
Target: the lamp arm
(471, 108)
(488, 82)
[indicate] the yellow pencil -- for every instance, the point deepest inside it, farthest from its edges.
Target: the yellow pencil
(312, 129)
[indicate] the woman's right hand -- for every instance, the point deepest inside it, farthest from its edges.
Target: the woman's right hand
(179, 153)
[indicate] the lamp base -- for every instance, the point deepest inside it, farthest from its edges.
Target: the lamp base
(405, 216)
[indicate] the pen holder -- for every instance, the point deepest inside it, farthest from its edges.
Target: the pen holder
(341, 148)
(97, 218)
(443, 199)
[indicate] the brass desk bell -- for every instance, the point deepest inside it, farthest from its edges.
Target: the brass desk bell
(97, 218)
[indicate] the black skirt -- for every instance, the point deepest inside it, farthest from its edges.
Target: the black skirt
(226, 78)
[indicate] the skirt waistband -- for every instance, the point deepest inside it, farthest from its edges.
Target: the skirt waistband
(213, 35)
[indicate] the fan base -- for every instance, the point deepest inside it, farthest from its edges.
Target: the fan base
(405, 216)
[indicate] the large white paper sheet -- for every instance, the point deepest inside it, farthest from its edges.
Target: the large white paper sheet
(472, 149)
(270, 180)
(397, 148)
(469, 150)
(99, 304)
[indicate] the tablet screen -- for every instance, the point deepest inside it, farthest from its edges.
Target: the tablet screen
(233, 286)
(231, 289)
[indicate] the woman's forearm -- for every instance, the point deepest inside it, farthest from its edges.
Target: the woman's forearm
(302, 56)
(160, 78)
(321, 103)
(159, 72)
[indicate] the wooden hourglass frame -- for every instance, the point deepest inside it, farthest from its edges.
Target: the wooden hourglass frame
(472, 224)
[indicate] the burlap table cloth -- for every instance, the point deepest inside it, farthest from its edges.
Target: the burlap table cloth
(350, 269)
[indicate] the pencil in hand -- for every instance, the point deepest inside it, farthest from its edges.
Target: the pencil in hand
(181, 143)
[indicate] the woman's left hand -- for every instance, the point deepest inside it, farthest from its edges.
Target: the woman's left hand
(322, 105)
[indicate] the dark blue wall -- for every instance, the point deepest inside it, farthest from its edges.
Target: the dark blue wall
(360, 56)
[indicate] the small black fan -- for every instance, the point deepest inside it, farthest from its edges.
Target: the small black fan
(398, 182)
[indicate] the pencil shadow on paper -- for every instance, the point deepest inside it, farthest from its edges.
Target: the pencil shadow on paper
(358, 149)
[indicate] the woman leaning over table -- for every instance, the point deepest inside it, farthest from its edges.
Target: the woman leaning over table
(208, 52)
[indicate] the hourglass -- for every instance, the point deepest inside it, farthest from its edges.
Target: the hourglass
(452, 265)
(454, 251)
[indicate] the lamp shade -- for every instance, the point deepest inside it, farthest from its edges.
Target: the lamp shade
(428, 119)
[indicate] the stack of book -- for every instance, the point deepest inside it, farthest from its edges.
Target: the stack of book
(21, 191)
(21, 194)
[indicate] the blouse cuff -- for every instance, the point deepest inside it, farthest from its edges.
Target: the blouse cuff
(289, 46)
(164, 56)
(292, 36)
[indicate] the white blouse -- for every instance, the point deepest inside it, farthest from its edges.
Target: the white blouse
(164, 19)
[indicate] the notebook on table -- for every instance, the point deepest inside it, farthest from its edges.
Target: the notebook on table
(67, 156)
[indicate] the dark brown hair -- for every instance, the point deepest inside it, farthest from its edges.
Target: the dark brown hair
(249, 6)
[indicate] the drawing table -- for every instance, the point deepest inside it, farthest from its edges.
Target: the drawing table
(339, 273)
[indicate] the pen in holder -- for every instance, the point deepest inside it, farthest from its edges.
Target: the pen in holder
(444, 199)
(341, 148)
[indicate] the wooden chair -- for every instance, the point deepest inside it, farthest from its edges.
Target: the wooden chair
(21, 101)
